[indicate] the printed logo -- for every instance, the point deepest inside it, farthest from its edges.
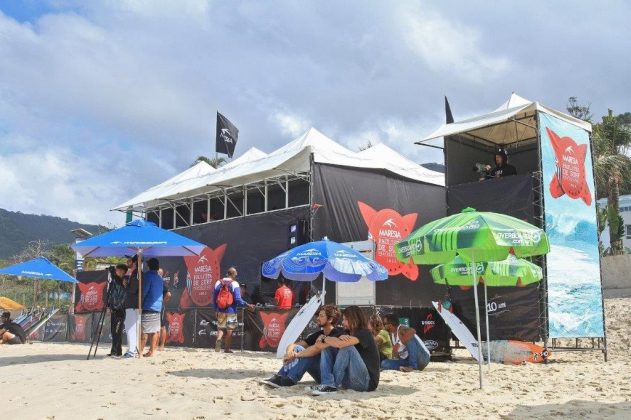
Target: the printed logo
(91, 297)
(176, 328)
(203, 272)
(570, 168)
(226, 135)
(273, 329)
(387, 227)
(428, 323)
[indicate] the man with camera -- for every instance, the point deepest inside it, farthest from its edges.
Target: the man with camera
(502, 167)
(116, 296)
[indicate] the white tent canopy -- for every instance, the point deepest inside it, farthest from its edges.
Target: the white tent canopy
(513, 121)
(293, 158)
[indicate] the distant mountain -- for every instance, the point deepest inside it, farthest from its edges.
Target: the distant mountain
(18, 229)
(433, 166)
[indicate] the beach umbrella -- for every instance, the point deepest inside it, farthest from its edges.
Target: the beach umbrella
(512, 271)
(40, 268)
(142, 238)
(474, 236)
(336, 262)
(9, 304)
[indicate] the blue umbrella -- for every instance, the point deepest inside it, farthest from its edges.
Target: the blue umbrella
(138, 237)
(335, 261)
(141, 238)
(40, 268)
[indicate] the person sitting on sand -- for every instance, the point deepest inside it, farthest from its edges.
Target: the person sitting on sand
(382, 337)
(303, 356)
(408, 352)
(152, 287)
(350, 361)
(11, 332)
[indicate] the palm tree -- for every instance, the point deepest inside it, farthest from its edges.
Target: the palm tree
(611, 140)
(215, 162)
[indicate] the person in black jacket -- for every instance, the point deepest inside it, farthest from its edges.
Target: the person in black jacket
(502, 167)
(131, 308)
(117, 299)
(10, 332)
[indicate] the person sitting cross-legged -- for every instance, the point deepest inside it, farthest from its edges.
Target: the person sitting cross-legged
(350, 361)
(304, 356)
(409, 352)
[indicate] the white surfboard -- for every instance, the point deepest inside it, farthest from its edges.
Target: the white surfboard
(459, 329)
(299, 323)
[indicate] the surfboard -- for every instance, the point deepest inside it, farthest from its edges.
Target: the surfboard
(514, 352)
(298, 323)
(459, 329)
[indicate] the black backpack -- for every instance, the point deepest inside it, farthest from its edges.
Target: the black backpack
(117, 297)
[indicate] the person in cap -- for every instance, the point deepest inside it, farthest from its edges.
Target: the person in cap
(502, 167)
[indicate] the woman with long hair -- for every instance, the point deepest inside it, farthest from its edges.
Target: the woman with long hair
(350, 361)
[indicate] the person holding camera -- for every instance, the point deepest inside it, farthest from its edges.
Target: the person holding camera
(116, 296)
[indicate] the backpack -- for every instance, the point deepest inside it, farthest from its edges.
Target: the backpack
(225, 298)
(117, 296)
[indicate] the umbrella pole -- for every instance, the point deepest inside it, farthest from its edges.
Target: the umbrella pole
(139, 322)
(488, 336)
(477, 320)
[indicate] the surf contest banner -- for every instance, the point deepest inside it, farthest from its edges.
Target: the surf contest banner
(90, 291)
(573, 264)
(356, 205)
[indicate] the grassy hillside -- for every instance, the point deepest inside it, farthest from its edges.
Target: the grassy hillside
(18, 229)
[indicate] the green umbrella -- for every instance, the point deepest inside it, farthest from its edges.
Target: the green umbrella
(479, 236)
(474, 236)
(512, 271)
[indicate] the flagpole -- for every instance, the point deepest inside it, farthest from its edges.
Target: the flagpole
(477, 319)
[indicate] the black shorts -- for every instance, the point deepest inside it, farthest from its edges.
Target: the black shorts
(15, 340)
(164, 321)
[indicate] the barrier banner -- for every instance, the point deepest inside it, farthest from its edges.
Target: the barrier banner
(181, 328)
(80, 328)
(56, 328)
(265, 327)
(514, 312)
(106, 336)
(90, 291)
(573, 264)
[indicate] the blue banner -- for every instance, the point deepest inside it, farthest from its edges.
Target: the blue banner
(573, 264)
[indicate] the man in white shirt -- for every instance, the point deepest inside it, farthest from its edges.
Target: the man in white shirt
(412, 353)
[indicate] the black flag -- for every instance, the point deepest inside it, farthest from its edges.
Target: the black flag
(227, 136)
(449, 118)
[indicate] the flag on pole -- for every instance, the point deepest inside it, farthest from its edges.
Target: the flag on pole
(227, 136)
(449, 118)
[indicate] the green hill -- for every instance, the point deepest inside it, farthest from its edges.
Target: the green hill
(18, 229)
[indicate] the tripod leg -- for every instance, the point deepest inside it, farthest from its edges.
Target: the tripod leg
(100, 330)
(102, 316)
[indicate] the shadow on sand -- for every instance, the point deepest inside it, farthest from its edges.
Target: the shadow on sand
(40, 358)
(219, 373)
(572, 409)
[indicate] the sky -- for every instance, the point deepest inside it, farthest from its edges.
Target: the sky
(101, 100)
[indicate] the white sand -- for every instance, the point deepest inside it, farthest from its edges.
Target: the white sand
(55, 381)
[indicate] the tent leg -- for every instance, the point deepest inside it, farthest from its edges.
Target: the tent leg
(488, 335)
(477, 322)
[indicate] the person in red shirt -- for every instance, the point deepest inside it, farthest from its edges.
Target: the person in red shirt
(284, 297)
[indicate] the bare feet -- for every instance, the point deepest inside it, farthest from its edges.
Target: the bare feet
(148, 354)
(227, 351)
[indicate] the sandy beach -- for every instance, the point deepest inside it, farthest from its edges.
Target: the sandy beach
(44, 380)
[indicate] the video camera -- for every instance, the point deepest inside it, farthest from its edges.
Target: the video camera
(480, 168)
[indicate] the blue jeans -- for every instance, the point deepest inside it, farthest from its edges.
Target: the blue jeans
(418, 358)
(296, 369)
(344, 368)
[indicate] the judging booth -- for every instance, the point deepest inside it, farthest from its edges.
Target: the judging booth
(553, 189)
(259, 205)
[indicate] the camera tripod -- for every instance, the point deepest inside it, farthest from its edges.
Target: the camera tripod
(96, 334)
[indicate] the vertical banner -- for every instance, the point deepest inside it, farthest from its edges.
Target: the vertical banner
(90, 291)
(226, 137)
(573, 264)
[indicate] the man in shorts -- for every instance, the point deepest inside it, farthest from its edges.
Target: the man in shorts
(10, 332)
(152, 288)
(227, 315)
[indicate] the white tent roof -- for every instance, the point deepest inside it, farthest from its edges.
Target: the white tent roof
(513, 121)
(292, 158)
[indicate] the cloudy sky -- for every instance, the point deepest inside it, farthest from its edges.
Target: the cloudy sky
(100, 100)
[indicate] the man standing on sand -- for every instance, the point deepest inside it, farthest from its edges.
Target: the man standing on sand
(284, 296)
(226, 298)
(131, 307)
(303, 356)
(409, 353)
(152, 288)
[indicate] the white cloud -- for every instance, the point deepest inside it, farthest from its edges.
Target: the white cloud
(290, 124)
